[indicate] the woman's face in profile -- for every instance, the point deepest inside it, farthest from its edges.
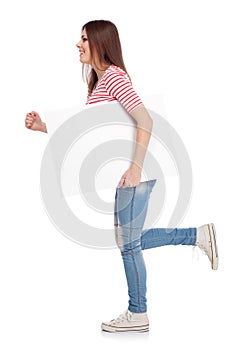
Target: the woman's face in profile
(84, 49)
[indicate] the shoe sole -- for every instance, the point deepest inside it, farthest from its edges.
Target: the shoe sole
(115, 329)
(214, 249)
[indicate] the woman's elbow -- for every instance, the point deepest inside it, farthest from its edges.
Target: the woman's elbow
(150, 123)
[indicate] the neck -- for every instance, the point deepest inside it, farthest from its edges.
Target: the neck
(100, 70)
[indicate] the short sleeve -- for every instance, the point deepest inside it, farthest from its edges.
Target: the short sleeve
(119, 86)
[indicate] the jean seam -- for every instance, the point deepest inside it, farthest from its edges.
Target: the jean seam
(161, 239)
(129, 228)
(138, 293)
(131, 214)
(131, 245)
(131, 252)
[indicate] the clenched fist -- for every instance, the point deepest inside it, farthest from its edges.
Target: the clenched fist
(34, 122)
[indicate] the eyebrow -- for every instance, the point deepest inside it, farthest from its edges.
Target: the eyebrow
(83, 36)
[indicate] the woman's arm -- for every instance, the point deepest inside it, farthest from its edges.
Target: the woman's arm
(44, 128)
(144, 128)
(118, 85)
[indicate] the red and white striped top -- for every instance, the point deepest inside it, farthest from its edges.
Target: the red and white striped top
(115, 85)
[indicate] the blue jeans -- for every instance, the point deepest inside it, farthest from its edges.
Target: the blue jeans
(131, 204)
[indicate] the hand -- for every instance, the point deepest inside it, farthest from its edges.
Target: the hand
(131, 177)
(34, 122)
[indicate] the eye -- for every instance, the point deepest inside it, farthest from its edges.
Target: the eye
(84, 39)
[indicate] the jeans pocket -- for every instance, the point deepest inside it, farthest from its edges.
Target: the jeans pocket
(129, 188)
(126, 189)
(152, 182)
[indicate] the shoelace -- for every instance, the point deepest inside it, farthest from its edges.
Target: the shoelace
(127, 315)
(203, 249)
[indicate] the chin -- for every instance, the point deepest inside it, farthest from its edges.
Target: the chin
(84, 61)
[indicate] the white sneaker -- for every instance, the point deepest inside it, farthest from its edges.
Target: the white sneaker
(127, 322)
(206, 241)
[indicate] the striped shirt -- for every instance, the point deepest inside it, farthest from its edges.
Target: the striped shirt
(115, 85)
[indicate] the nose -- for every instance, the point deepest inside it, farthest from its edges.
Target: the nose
(78, 45)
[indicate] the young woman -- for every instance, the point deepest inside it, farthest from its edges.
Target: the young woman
(108, 80)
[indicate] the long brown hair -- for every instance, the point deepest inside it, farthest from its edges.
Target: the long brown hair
(104, 42)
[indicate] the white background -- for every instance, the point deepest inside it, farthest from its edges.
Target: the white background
(55, 293)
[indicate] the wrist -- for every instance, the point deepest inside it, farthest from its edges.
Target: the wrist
(136, 166)
(43, 127)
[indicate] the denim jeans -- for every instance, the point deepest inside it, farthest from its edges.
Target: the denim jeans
(131, 204)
